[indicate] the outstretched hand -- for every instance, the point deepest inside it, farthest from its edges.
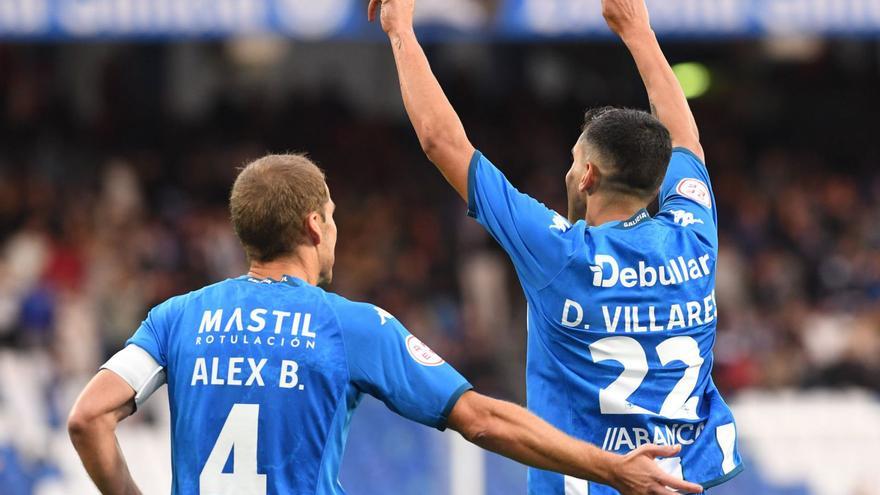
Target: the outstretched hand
(639, 474)
(396, 15)
(624, 16)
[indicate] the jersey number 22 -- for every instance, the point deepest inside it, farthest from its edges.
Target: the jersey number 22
(627, 351)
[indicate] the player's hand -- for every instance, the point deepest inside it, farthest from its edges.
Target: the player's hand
(626, 16)
(396, 15)
(637, 473)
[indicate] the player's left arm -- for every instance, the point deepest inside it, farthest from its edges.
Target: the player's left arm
(105, 402)
(516, 433)
(686, 195)
(438, 127)
(392, 365)
(630, 20)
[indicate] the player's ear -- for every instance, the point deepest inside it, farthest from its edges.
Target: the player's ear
(314, 230)
(590, 179)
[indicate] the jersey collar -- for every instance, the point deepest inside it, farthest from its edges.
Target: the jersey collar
(285, 279)
(640, 217)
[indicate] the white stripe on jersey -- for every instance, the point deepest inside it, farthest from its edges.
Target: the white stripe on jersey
(672, 465)
(574, 486)
(726, 436)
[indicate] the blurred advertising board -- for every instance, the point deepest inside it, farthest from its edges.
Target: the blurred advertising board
(445, 19)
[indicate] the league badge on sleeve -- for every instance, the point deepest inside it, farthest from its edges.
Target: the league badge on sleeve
(695, 190)
(422, 353)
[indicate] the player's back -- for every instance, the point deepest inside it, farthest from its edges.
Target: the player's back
(630, 326)
(263, 377)
(621, 321)
(256, 370)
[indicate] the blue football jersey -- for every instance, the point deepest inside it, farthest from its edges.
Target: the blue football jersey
(621, 322)
(263, 377)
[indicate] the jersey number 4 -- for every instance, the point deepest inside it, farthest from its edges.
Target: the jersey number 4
(627, 351)
(239, 437)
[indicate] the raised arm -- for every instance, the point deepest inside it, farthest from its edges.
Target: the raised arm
(630, 20)
(106, 401)
(516, 433)
(438, 127)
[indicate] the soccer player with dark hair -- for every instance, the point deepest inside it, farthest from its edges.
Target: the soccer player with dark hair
(265, 370)
(621, 305)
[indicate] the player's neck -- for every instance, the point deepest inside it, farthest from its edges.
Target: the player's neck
(604, 210)
(294, 266)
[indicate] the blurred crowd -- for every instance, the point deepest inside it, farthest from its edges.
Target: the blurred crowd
(113, 196)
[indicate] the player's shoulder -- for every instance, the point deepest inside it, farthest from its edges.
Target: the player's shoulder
(685, 224)
(686, 196)
(357, 314)
(681, 219)
(552, 231)
(178, 301)
(177, 304)
(682, 153)
(688, 176)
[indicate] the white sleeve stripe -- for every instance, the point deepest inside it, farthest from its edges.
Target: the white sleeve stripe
(138, 368)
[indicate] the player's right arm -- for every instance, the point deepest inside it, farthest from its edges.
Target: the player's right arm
(106, 401)
(123, 383)
(513, 432)
(438, 127)
(387, 362)
(629, 19)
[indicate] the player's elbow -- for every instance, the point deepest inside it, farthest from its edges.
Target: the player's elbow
(437, 143)
(78, 425)
(479, 431)
(475, 419)
(432, 143)
(82, 423)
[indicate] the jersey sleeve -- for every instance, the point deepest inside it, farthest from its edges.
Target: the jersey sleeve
(392, 365)
(534, 236)
(686, 196)
(152, 335)
(139, 369)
